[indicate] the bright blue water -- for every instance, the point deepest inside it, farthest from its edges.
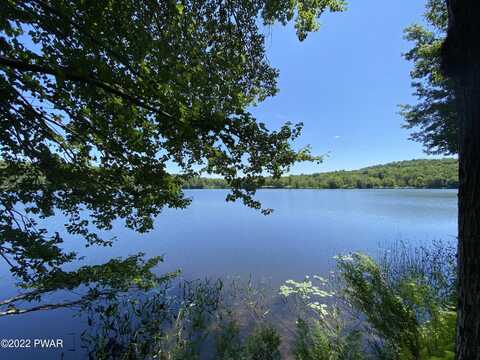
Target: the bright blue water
(215, 238)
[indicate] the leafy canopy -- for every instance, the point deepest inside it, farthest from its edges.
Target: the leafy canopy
(435, 113)
(97, 98)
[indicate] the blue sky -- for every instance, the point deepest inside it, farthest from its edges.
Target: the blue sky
(344, 83)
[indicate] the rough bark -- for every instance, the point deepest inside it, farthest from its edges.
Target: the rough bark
(461, 61)
(468, 323)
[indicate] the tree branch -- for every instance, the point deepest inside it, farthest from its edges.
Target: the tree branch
(15, 311)
(70, 74)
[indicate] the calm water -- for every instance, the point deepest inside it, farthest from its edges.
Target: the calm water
(214, 238)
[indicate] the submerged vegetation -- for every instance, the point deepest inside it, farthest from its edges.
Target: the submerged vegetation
(441, 173)
(400, 306)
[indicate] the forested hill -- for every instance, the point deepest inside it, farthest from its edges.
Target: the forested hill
(442, 173)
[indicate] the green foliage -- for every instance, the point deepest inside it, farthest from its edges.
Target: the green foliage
(434, 265)
(307, 13)
(424, 324)
(313, 342)
(399, 308)
(306, 290)
(103, 281)
(96, 98)
(161, 323)
(263, 344)
(369, 292)
(414, 173)
(228, 342)
(435, 114)
(324, 330)
(193, 322)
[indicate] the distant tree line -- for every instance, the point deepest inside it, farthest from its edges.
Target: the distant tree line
(441, 173)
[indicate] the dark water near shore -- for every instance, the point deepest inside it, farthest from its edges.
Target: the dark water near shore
(213, 238)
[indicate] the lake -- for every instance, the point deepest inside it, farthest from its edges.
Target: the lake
(213, 238)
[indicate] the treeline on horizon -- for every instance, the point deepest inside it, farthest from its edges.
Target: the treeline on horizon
(432, 174)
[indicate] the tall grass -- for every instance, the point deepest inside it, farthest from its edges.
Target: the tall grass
(433, 264)
(398, 307)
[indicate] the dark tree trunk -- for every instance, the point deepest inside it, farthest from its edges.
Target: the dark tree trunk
(461, 62)
(468, 323)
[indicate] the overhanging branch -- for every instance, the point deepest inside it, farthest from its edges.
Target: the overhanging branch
(12, 310)
(70, 74)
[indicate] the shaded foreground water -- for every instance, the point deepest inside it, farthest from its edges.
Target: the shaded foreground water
(214, 238)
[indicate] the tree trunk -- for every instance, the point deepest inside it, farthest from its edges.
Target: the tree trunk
(468, 323)
(461, 61)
